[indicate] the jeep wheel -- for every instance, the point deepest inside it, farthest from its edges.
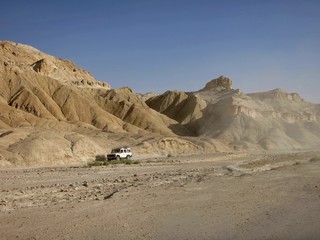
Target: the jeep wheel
(128, 156)
(118, 157)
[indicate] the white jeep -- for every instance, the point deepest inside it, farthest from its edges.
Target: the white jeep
(120, 153)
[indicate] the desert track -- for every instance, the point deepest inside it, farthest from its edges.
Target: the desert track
(218, 196)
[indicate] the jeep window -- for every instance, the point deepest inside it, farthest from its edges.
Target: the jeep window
(115, 150)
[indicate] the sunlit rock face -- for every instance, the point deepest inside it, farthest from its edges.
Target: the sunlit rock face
(268, 120)
(220, 83)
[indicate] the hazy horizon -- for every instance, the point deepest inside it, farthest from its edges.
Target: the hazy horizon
(154, 46)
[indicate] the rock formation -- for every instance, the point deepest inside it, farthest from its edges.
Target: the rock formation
(220, 83)
(46, 100)
(274, 120)
(53, 112)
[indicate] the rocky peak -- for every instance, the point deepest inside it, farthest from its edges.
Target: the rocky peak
(280, 93)
(220, 83)
(24, 58)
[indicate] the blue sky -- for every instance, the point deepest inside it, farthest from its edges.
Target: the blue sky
(156, 45)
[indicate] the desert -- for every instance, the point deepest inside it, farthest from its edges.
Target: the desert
(214, 163)
(49, 100)
(211, 196)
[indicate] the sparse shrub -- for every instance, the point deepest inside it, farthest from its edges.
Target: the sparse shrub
(95, 164)
(113, 162)
(101, 158)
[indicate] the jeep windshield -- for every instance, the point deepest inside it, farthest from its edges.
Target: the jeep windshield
(115, 150)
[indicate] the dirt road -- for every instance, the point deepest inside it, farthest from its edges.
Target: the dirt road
(219, 196)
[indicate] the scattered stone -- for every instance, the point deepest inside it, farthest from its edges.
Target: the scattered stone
(110, 195)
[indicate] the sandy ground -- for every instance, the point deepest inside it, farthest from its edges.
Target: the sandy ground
(218, 196)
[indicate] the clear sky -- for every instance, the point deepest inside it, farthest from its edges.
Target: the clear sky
(156, 45)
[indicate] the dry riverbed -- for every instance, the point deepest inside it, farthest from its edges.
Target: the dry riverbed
(217, 196)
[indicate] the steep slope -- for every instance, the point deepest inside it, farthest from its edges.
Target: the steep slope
(23, 58)
(129, 107)
(55, 89)
(48, 99)
(270, 120)
(52, 112)
(180, 106)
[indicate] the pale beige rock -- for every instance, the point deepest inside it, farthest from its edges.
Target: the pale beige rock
(274, 120)
(56, 107)
(220, 83)
(51, 98)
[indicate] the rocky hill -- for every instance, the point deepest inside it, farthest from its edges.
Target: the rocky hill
(274, 120)
(53, 112)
